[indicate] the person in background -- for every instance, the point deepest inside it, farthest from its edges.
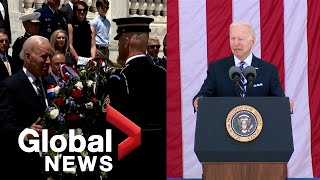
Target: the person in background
(31, 25)
(138, 91)
(4, 18)
(67, 10)
(51, 19)
(7, 65)
(54, 76)
(81, 35)
(22, 105)
(153, 51)
(60, 44)
(102, 26)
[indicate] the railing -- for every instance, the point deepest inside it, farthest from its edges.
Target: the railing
(136, 7)
(148, 7)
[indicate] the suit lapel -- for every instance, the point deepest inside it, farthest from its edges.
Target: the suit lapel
(256, 64)
(228, 64)
(3, 68)
(28, 88)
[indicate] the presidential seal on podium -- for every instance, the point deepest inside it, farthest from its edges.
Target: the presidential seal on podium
(244, 123)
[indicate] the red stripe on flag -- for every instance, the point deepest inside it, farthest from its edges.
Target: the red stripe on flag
(174, 133)
(219, 18)
(313, 36)
(272, 34)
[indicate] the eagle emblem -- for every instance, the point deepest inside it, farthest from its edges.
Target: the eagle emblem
(244, 122)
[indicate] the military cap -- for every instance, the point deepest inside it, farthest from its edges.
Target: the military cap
(132, 24)
(33, 17)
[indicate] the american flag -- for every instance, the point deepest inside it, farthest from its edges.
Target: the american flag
(288, 36)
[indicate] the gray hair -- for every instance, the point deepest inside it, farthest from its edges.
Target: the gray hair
(31, 44)
(153, 39)
(244, 23)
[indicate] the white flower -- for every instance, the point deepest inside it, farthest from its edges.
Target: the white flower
(89, 105)
(56, 89)
(81, 115)
(78, 131)
(65, 136)
(72, 171)
(59, 155)
(79, 85)
(84, 153)
(54, 113)
(89, 83)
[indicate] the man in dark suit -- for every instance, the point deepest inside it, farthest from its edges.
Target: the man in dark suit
(31, 25)
(51, 19)
(67, 10)
(7, 65)
(22, 105)
(54, 76)
(153, 51)
(138, 91)
(4, 18)
(218, 83)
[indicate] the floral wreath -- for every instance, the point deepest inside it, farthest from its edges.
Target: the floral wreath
(75, 104)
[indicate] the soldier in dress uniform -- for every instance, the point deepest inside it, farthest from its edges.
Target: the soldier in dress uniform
(31, 25)
(51, 19)
(138, 91)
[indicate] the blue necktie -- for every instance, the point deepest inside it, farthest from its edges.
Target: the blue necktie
(243, 81)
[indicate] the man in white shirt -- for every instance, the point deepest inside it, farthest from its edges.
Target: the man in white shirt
(102, 28)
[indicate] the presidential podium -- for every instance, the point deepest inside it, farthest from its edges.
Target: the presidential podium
(247, 138)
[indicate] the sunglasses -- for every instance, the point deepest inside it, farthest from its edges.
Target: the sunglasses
(104, 8)
(81, 10)
(154, 46)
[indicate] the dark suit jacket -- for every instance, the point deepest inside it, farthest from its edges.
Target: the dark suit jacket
(218, 83)
(20, 107)
(5, 23)
(3, 70)
(16, 49)
(49, 80)
(67, 12)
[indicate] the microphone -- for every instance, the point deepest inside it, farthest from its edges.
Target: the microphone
(234, 74)
(250, 74)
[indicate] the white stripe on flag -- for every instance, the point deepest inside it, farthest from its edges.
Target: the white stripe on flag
(296, 83)
(193, 64)
(249, 11)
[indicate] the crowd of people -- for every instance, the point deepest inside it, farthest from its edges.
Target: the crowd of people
(55, 36)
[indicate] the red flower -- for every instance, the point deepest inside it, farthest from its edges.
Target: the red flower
(72, 116)
(52, 132)
(91, 62)
(94, 100)
(100, 61)
(76, 93)
(59, 101)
